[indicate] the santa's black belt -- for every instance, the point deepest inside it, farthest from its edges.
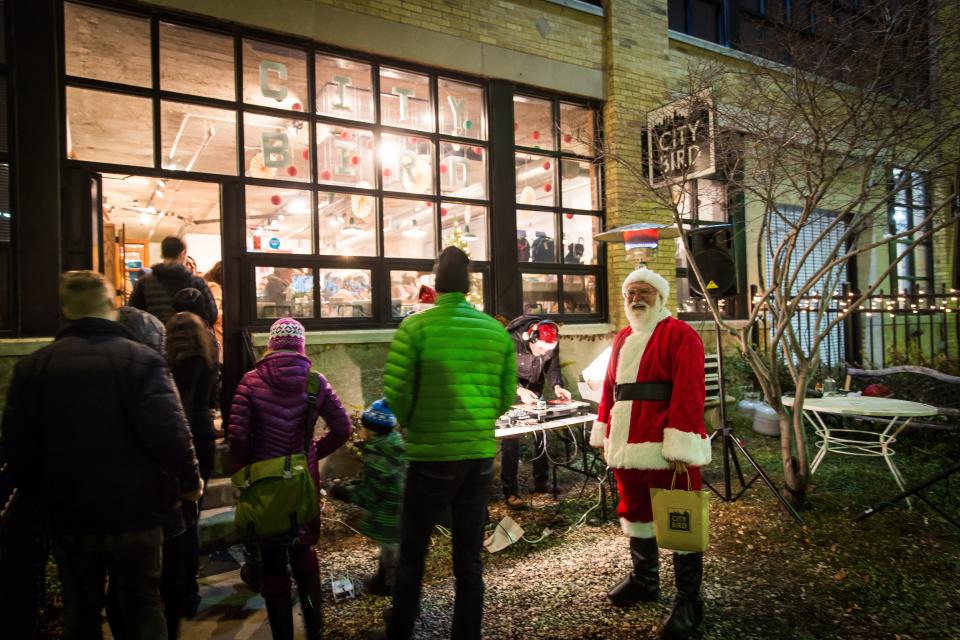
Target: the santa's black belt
(643, 391)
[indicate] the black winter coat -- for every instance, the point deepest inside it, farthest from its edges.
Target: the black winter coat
(94, 432)
(533, 371)
(154, 292)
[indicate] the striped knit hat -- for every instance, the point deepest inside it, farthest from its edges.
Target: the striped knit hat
(379, 418)
(286, 334)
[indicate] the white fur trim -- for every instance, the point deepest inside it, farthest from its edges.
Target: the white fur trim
(598, 434)
(628, 361)
(635, 455)
(691, 448)
(637, 529)
(651, 277)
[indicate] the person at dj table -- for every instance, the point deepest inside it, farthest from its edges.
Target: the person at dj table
(538, 364)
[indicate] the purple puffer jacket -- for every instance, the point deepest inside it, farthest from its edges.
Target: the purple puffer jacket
(267, 415)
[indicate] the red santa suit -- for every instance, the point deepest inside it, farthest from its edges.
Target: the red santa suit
(640, 437)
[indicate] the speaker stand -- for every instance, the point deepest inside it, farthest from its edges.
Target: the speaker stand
(732, 444)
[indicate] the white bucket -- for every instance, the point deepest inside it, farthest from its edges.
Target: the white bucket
(765, 420)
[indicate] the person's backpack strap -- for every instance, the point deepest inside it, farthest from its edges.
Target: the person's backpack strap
(313, 388)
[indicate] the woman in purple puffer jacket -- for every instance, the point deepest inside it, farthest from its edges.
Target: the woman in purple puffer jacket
(267, 419)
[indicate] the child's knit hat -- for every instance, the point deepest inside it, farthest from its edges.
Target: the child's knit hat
(287, 334)
(379, 418)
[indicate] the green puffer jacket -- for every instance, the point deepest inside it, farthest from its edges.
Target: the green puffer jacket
(450, 374)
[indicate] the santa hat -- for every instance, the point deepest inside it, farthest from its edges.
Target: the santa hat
(544, 332)
(287, 334)
(650, 277)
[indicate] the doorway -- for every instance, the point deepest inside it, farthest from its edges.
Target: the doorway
(138, 212)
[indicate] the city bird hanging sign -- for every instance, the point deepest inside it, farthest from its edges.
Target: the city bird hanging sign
(680, 140)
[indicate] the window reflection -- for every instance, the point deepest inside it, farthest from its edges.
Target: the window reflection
(196, 62)
(536, 233)
(405, 100)
(278, 220)
(579, 185)
(462, 110)
(284, 292)
(345, 156)
(578, 245)
(463, 170)
(539, 293)
(536, 180)
(345, 293)
(464, 226)
(344, 88)
(406, 163)
(276, 148)
(408, 229)
(579, 294)
(274, 76)
(533, 123)
(347, 224)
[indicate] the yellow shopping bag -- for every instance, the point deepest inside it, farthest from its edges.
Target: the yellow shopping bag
(681, 518)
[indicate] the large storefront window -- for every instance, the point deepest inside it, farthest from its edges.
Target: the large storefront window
(346, 176)
(558, 207)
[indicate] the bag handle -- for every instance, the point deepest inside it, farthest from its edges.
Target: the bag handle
(313, 388)
(674, 480)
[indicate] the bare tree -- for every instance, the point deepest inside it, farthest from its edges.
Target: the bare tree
(819, 119)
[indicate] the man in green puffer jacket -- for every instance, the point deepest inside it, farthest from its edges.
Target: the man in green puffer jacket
(450, 374)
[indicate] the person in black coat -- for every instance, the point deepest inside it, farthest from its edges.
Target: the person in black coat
(154, 292)
(538, 365)
(98, 444)
(191, 356)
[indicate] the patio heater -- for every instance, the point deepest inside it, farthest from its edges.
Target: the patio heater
(641, 241)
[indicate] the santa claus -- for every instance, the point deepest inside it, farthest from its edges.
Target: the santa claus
(650, 425)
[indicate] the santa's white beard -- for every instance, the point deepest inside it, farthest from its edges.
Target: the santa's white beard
(643, 317)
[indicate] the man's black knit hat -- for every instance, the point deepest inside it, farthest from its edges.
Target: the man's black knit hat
(453, 271)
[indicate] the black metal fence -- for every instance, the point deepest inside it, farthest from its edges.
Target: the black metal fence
(886, 330)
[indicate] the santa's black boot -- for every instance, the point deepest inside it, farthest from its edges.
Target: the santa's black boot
(643, 583)
(687, 612)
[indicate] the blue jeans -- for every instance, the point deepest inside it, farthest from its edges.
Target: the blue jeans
(463, 486)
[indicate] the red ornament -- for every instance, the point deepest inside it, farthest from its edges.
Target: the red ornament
(546, 166)
(569, 216)
(355, 160)
(443, 212)
(567, 138)
(428, 204)
(306, 154)
(296, 106)
(535, 135)
(387, 173)
(292, 171)
(548, 187)
(414, 140)
(275, 200)
(443, 168)
(326, 174)
(478, 151)
(344, 135)
(516, 127)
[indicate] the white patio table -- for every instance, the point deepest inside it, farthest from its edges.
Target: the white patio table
(860, 442)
